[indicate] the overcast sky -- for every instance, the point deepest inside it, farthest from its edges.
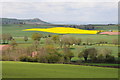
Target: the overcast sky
(63, 12)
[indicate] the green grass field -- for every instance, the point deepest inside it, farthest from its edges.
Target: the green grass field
(96, 38)
(42, 70)
(16, 31)
(102, 64)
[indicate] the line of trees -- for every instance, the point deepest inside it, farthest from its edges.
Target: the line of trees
(50, 54)
(5, 38)
(45, 54)
(94, 55)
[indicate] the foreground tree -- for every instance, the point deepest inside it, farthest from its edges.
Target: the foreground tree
(68, 54)
(91, 52)
(6, 38)
(36, 37)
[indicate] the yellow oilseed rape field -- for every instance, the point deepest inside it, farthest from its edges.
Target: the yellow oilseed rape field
(63, 30)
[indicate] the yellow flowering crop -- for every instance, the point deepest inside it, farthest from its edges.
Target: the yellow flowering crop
(63, 30)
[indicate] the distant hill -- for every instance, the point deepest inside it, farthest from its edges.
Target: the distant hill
(22, 21)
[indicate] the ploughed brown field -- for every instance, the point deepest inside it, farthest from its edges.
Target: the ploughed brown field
(111, 33)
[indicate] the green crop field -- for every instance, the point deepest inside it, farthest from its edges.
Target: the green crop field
(42, 70)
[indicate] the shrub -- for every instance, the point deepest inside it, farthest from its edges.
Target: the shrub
(42, 59)
(26, 59)
(5, 58)
(53, 58)
(61, 60)
(35, 59)
(8, 58)
(66, 59)
(94, 59)
(84, 43)
(118, 60)
(75, 59)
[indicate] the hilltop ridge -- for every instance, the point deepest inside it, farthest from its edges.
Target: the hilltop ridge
(22, 21)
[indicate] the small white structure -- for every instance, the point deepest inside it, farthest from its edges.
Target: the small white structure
(73, 44)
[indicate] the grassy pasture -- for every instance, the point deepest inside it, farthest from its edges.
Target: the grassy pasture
(107, 28)
(102, 64)
(77, 49)
(96, 38)
(16, 30)
(41, 70)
